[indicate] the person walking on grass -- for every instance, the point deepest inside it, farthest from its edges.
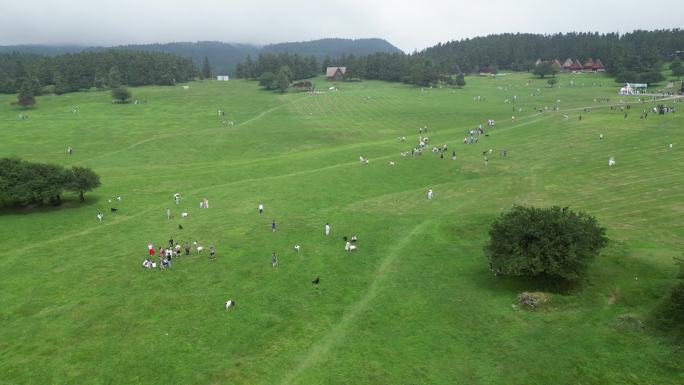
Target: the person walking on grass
(100, 217)
(327, 229)
(169, 256)
(168, 213)
(212, 252)
(274, 259)
(273, 226)
(261, 208)
(429, 194)
(187, 248)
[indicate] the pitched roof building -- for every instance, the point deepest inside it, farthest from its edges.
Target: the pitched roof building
(598, 66)
(335, 73)
(567, 64)
(576, 66)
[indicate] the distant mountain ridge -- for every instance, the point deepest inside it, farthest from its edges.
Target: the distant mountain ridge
(223, 57)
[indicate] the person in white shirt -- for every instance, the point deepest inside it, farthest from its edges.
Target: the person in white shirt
(327, 229)
(429, 194)
(261, 208)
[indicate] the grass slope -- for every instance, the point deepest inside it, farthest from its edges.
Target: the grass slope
(415, 304)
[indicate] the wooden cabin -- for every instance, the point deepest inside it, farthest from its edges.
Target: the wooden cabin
(335, 73)
(598, 66)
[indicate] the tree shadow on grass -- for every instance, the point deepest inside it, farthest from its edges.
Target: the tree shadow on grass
(486, 279)
(68, 203)
(613, 268)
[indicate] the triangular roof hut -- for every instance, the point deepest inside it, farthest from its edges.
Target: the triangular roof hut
(567, 64)
(589, 64)
(598, 66)
(576, 66)
(335, 73)
(538, 62)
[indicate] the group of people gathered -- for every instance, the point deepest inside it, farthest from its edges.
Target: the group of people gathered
(167, 254)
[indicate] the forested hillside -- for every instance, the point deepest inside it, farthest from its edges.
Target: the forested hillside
(224, 57)
(106, 69)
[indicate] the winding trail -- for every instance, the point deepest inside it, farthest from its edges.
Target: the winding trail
(321, 348)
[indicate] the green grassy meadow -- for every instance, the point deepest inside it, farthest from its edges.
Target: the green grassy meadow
(415, 305)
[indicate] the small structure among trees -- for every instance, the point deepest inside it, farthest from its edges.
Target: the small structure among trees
(598, 66)
(222, 78)
(335, 73)
(633, 89)
(575, 65)
(567, 64)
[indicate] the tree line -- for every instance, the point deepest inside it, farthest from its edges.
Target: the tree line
(24, 183)
(394, 67)
(637, 55)
(301, 67)
(639, 51)
(106, 69)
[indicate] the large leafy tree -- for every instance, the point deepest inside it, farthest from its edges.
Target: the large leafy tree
(283, 78)
(81, 179)
(553, 242)
(544, 69)
(121, 94)
(23, 183)
(267, 80)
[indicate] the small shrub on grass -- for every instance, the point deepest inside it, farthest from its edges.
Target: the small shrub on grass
(532, 300)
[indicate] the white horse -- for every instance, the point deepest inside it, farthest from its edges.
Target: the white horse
(349, 247)
(230, 303)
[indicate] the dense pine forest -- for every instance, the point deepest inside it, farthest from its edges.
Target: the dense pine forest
(635, 55)
(80, 71)
(638, 55)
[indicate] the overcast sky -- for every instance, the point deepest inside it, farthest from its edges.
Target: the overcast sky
(408, 24)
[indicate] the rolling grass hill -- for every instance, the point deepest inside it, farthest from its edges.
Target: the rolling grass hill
(414, 305)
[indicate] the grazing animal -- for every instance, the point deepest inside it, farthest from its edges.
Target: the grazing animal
(113, 209)
(230, 303)
(349, 247)
(296, 248)
(198, 247)
(180, 227)
(391, 163)
(184, 215)
(316, 281)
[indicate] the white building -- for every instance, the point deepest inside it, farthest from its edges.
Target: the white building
(223, 78)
